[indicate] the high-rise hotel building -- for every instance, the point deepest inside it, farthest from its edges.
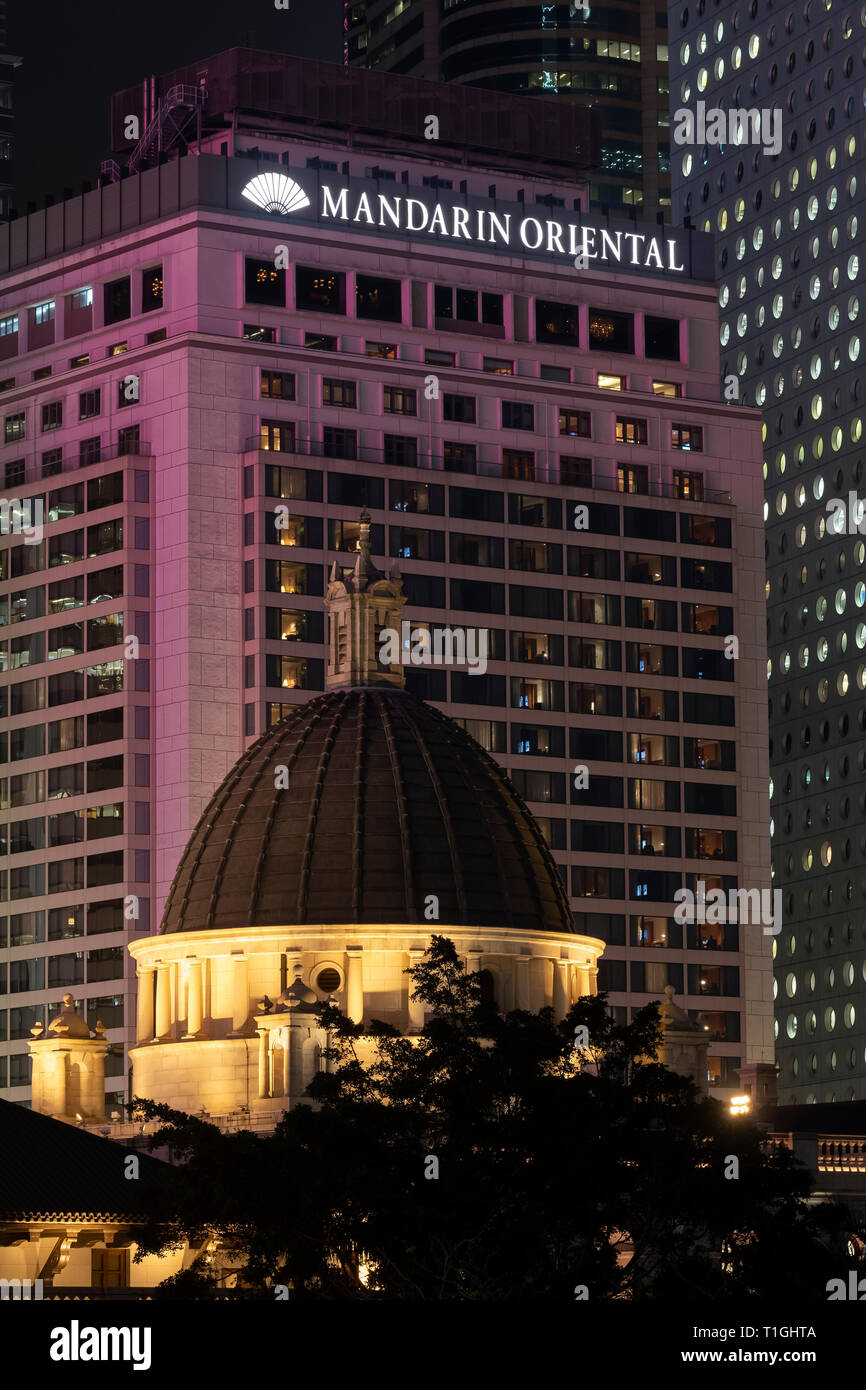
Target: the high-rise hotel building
(312, 306)
(612, 59)
(787, 207)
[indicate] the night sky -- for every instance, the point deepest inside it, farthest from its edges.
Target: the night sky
(76, 55)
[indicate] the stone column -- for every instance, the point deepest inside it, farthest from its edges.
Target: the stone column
(561, 1000)
(144, 1026)
(263, 1063)
(286, 1032)
(521, 982)
(582, 984)
(194, 999)
(240, 994)
(473, 962)
(416, 1006)
(355, 983)
(163, 1000)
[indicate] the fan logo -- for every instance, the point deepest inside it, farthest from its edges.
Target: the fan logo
(276, 193)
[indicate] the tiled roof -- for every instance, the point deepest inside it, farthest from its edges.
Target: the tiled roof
(52, 1171)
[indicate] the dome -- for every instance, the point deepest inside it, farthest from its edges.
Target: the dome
(388, 804)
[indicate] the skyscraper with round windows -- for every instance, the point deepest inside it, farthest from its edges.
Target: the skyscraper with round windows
(767, 140)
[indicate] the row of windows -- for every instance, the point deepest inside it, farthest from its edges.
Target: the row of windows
(78, 307)
(476, 504)
(86, 452)
(89, 407)
(69, 921)
(57, 642)
(65, 828)
(440, 357)
(295, 577)
(318, 290)
(52, 972)
(514, 415)
(68, 875)
(70, 546)
(68, 687)
(101, 586)
(67, 782)
(15, 1024)
(458, 456)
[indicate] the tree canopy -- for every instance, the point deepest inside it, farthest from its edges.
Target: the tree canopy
(490, 1158)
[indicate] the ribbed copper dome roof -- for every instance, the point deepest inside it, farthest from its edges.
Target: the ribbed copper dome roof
(389, 801)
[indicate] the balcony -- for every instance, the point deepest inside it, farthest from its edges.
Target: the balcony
(35, 471)
(425, 461)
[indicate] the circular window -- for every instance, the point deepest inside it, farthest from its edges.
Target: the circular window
(328, 980)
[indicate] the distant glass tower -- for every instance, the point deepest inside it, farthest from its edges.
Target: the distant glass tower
(613, 59)
(8, 64)
(787, 228)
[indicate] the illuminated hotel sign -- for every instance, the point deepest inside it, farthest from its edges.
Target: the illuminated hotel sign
(358, 203)
(567, 239)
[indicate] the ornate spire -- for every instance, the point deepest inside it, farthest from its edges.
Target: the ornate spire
(361, 605)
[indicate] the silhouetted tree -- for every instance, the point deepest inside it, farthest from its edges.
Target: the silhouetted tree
(490, 1158)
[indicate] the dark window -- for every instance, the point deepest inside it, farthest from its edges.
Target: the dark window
(423, 498)
(477, 596)
(586, 698)
(708, 619)
(477, 550)
(649, 569)
(459, 458)
(702, 708)
(264, 283)
(458, 408)
(376, 298)
(339, 443)
(662, 338)
(401, 451)
(517, 416)
(399, 400)
(649, 523)
(586, 562)
(576, 422)
(705, 530)
(117, 300)
(105, 491)
(129, 440)
(707, 574)
(540, 786)
(89, 451)
(708, 664)
(340, 393)
(319, 290)
(467, 306)
(518, 463)
(611, 332)
(526, 510)
(14, 428)
(52, 415)
(349, 490)
(687, 437)
(473, 504)
(575, 472)
(526, 602)
(556, 323)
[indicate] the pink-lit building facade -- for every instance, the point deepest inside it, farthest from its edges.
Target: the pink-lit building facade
(205, 394)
